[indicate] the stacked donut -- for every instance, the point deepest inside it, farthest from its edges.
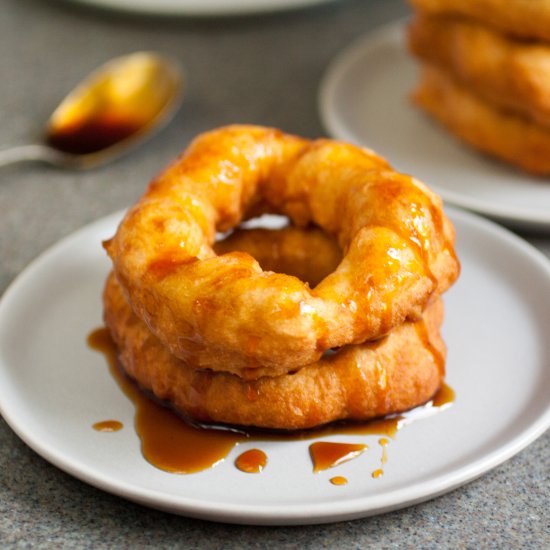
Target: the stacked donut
(486, 74)
(336, 316)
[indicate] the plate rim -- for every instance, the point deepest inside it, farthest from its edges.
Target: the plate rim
(393, 33)
(289, 514)
(200, 9)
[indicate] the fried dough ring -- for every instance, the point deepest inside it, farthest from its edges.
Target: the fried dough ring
(523, 18)
(504, 135)
(510, 73)
(214, 311)
(360, 382)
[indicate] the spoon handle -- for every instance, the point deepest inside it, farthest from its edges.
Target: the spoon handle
(35, 153)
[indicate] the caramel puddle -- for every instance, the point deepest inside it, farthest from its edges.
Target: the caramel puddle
(167, 441)
(171, 444)
(326, 454)
(108, 426)
(252, 461)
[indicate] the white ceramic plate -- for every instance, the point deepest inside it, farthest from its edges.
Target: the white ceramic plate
(200, 8)
(53, 387)
(364, 98)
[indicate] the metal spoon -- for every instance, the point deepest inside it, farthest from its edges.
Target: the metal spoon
(115, 108)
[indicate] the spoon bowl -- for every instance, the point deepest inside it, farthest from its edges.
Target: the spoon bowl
(115, 108)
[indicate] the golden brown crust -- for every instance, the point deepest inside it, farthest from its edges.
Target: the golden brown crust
(504, 135)
(523, 18)
(360, 382)
(219, 311)
(510, 73)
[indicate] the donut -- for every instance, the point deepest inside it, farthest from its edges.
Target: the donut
(510, 73)
(529, 19)
(502, 134)
(224, 312)
(359, 382)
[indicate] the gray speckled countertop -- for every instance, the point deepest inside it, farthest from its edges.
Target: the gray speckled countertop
(262, 70)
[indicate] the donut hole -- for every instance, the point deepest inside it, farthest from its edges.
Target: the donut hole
(266, 221)
(308, 253)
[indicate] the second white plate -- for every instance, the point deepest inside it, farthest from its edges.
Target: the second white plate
(364, 98)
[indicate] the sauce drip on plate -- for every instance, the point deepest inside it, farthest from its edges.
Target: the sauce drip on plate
(252, 461)
(326, 454)
(108, 426)
(174, 445)
(167, 441)
(338, 480)
(383, 442)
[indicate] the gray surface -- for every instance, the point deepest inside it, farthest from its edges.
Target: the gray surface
(261, 70)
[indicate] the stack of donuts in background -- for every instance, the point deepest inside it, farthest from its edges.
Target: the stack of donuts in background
(486, 74)
(335, 317)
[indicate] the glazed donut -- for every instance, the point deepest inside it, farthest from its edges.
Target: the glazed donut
(522, 18)
(223, 312)
(512, 74)
(497, 132)
(401, 371)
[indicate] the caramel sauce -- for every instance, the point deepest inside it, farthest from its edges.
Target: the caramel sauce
(382, 384)
(338, 480)
(326, 454)
(91, 136)
(167, 264)
(438, 357)
(383, 442)
(383, 426)
(252, 393)
(445, 396)
(170, 443)
(252, 461)
(174, 446)
(167, 441)
(108, 426)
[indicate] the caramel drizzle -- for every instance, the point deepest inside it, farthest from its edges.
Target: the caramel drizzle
(338, 480)
(173, 445)
(108, 426)
(325, 454)
(383, 442)
(438, 357)
(252, 461)
(167, 442)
